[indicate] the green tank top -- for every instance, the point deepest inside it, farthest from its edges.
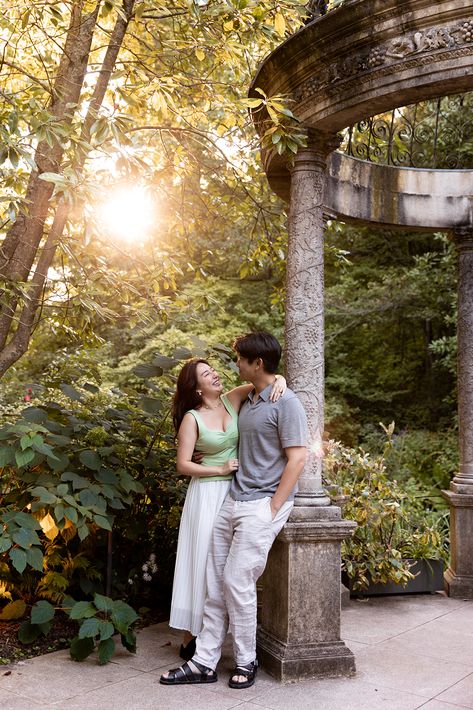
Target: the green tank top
(217, 446)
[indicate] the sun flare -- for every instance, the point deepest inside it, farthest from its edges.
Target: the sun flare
(128, 214)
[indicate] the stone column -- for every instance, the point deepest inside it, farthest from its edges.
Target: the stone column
(299, 635)
(459, 576)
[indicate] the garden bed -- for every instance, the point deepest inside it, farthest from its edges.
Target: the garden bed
(62, 631)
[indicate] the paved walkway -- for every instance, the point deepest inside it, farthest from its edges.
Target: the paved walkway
(411, 652)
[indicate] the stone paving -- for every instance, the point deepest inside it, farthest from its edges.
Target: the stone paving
(412, 651)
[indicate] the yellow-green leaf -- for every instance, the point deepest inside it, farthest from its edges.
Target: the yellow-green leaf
(200, 54)
(279, 24)
(14, 610)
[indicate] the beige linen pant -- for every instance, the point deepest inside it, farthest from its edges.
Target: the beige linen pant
(242, 537)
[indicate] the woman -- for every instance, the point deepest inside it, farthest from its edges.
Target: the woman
(206, 421)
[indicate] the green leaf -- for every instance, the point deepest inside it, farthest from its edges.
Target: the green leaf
(106, 629)
(71, 514)
(151, 404)
(82, 610)
(45, 449)
(102, 522)
(18, 558)
(34, 414)
(182, 354)
(26, 521)
(59, 439)
(81, 648)
(106, 476)
(45, 628)
(23, 458)
(147, 371)
(35, 559)
(44, 495)
(88, 498)
(42, 612)
(59, 462)
(83, 531)
(129, 640)
(103, 603)
(106, 650)
(13, 610)
(52, 177)
(164, 362)
(28, 632)
(90, 459)
(123, 616)
(78, 482)
(7, 454)
(25, 442)
(89, 628)
(71, 392)
(59, 511)
(5, 543)
(25, 537)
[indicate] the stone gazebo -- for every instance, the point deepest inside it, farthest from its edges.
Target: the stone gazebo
(354, 67)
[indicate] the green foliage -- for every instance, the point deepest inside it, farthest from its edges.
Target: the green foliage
(394, 521)
(428, 457)
(42, 614)
(64, 479)
(99, 621)
(387, 310)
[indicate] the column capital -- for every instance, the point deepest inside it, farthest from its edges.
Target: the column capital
(314, 156)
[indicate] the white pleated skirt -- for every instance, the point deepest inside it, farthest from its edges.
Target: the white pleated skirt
(201, 507)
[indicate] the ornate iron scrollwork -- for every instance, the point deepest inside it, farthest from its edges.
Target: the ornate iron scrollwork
(434, 134)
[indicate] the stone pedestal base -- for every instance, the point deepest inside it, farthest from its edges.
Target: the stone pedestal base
(459, 576)
(299, 635)
(290, 662)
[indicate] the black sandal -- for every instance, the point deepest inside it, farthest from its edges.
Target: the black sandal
(249, 672)
(185, 675)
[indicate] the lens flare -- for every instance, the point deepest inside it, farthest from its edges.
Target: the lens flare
(128, 213)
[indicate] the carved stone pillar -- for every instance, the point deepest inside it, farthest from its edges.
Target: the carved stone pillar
(305, 325)
(459, 576)
(300, 630)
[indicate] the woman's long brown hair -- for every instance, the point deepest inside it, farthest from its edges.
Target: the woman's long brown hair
(186, 396)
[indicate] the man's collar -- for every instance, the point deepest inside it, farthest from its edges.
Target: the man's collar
(264, 395)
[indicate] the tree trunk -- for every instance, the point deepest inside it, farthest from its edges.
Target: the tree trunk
(21, 244)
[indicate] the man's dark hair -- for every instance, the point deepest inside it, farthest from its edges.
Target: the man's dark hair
(263, 345)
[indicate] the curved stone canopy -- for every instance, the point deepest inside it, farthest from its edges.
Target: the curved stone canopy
(364, 58)
(404, 197)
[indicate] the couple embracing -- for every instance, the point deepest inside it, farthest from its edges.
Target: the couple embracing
(241, 494)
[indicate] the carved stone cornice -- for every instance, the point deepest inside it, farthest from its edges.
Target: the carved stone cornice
(367, 57)
(404, 51)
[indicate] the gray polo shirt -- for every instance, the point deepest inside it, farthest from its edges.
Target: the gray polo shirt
(266, 428)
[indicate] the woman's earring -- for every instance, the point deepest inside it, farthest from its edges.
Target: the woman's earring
(199, 392)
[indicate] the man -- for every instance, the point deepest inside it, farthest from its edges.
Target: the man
(272, 452)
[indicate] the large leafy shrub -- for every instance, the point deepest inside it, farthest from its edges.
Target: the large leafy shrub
(395, 521)
(66, 473)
